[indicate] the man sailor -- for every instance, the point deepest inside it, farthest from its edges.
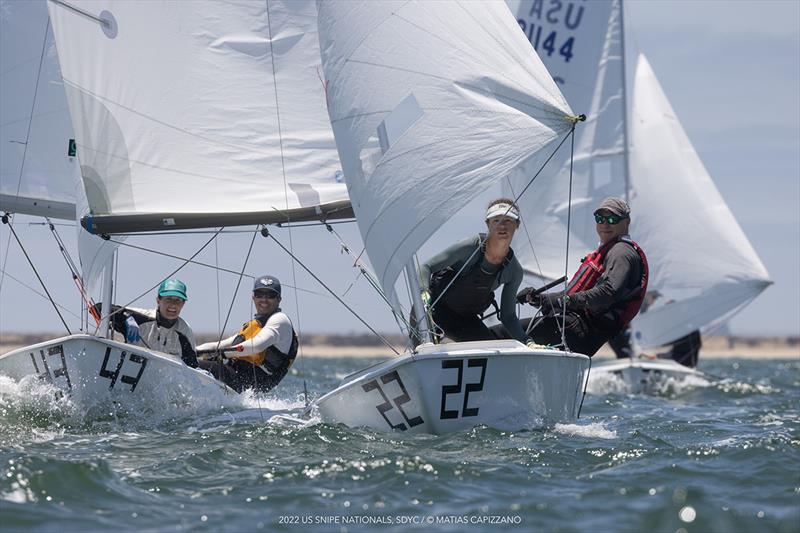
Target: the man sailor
(160, 329)
(260, 354)
(604, 294)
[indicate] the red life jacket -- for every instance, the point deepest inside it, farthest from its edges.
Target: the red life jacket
(592, 268)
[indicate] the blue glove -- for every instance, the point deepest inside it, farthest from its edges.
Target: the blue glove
(131, 330)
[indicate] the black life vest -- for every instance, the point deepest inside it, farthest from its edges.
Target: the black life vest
(271, 360)
(471, 291)
(592, 269)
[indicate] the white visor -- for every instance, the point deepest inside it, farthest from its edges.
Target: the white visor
(506, 210)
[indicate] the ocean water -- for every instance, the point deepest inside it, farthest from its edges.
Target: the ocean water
(720, 455)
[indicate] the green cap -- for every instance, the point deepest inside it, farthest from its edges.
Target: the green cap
(173, 287)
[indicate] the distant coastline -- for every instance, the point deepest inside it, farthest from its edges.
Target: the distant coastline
(369, 346)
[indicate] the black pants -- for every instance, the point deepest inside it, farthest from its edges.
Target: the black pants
(241, 375)
(580, 336)
(456, 326)
(461, 327)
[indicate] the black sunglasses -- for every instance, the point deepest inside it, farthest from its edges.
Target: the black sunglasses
(270, 295)
(611, 219)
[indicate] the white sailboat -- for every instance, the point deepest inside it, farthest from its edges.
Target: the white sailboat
(184, 115)
(431, 103)
(703, 269)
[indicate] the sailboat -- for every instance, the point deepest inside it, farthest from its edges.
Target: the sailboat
(431, 103)
(184, 116)
(703, 268)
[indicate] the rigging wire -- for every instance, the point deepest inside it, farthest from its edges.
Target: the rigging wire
(364, 271)
(6, 221)
(516, 199)
(216, 267)
(566, 255)
(41, 295)
(266, 233)
(27, 139)
(186, 262)
(87, 300)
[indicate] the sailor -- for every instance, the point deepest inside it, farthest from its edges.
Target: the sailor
(460, 281)
(260, 354)
(685, 350)
(160, 329)
(604, 294)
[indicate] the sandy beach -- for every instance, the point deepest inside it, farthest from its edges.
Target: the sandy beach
(713, 347)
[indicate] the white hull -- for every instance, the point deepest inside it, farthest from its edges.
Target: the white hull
(452, 387)
(94, 371)
(642, 375)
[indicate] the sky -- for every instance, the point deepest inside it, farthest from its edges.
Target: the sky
(731, 71)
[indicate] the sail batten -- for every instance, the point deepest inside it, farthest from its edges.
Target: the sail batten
(208, 110)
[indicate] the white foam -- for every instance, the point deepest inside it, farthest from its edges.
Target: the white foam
(595, 430)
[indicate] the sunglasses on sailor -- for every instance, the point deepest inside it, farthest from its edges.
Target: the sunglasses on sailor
(269, 295)
(610, 219)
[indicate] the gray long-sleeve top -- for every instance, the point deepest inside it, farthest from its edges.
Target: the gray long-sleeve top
(510, 277)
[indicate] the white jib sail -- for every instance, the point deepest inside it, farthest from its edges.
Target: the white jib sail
(37, 172)
(704, 269)
(431, 103)
(42, 178)
(702, 265)
(209, 108)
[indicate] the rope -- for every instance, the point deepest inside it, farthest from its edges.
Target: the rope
(230, 308)
(566, 255)
(509, 208)
(86, 299)
(238, 283)
(190, 261)
(186, 262)
(30, 262)
(363, 270)
(266, 233)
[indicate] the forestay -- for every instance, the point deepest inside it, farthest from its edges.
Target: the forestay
(198, 114)
(431, 103)
(701, 263)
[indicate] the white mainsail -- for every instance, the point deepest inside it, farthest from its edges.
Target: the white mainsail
(431, 103)
(37, 174)
(701, 263)
(198, 114)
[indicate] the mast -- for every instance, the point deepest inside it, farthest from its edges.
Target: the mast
(416, 299)
(626, 149)
(108, 292)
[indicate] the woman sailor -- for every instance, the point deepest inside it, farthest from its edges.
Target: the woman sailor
(458, 284)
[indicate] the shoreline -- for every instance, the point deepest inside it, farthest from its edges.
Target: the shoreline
(328, 351)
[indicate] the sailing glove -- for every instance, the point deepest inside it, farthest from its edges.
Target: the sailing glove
(524, 296)
(132, 330)
(550, 303)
